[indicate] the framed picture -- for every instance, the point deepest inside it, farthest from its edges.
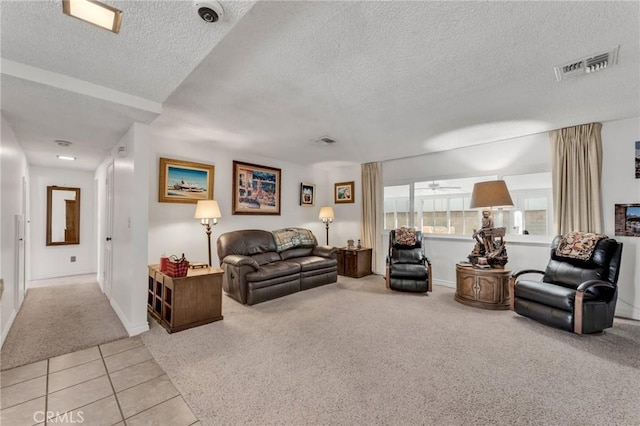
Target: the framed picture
(184, 181)
(307, 194)
(627, 218)
(256, 189)
(637, 159)
(343, 192)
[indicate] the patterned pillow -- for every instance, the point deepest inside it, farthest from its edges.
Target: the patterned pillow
(406, 236)
(578, 245)
(287, 238)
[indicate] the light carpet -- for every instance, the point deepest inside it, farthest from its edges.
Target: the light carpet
(356, 353)
(57, 320)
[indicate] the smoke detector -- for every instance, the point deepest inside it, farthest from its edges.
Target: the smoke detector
(62, 143)
(587, 65)
(324, 141)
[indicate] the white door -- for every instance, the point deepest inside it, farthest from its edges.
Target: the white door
(19, 263)
(108, 231)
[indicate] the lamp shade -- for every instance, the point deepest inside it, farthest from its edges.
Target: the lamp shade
(493, 193)
(207, 209)
(326, 213)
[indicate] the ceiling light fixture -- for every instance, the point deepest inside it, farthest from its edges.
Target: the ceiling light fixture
(94, 12)
(66, 157)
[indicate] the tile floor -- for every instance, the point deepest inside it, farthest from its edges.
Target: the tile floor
(118, 383)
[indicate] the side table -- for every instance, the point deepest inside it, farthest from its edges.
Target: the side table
(354, 263)
(483, 288)
(178, 303)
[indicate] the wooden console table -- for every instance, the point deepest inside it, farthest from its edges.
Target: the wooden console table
(178, 303)
(482, 288)
(354, 263)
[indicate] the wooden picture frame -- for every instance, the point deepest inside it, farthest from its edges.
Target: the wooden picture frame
(343, 192)
(307, 194)
(256, 189)
(627, 220)
(184, 181)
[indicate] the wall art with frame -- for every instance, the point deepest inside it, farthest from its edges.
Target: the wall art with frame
(627, 218)
(343, 192)
(307, 194)
(637, 159)
(256, 189)
(184, 181)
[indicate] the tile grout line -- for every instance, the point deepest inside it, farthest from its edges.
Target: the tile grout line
(162, 402)
(46, 395)
(115, 396)
(146, 381)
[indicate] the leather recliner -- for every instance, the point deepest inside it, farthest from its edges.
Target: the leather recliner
(574, 295)
(408, 269)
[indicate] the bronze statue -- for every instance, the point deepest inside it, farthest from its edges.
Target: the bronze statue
(487, 243)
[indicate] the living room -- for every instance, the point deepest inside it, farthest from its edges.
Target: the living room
(477, 126)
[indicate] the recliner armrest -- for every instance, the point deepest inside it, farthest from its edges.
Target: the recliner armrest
(240, 260)
(519, 272)
(329, 252)
(594, 283)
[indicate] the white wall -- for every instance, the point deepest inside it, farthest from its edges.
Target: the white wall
(130, 227)
(173, 230)
(55, 261)
(527, 155)
(13, 168)
(619, 186)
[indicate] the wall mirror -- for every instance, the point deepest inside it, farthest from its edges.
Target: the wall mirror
(63, 215)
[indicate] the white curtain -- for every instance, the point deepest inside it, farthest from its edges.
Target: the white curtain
(576, 171)
(371, 230)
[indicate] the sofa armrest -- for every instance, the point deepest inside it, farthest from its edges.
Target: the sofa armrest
(594, 283)
(240, 260)
(512, 284)
(329, 252)
(516, 274)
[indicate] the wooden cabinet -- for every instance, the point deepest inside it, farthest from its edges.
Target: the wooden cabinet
(354, 263)
(178, 303)
(483, 288)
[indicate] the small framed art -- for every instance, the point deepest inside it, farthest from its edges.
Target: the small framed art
(184, 181)
(627, 220)
(307, 194)
(343, 192)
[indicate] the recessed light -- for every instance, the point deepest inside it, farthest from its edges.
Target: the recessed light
(66, 157)
(94, 12)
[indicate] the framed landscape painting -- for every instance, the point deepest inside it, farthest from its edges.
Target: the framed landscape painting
(637, 159)
(184, 181)
(256, 189)
(307, 194)
(343, 192)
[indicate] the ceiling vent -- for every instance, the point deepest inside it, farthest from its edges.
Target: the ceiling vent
(588, 64)
(62, 143)
(324, 141)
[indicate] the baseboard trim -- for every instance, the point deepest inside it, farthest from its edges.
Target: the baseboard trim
(7, 326)
(444, 283)
(132, 329)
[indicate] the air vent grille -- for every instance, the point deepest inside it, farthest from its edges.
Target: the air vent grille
(587, 65)
(325, 140)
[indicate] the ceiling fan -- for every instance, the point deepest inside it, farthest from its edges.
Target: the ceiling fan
(434, 186)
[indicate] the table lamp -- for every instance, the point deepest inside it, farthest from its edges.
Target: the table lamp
(208, 212)
(327, 216)
(487, 195)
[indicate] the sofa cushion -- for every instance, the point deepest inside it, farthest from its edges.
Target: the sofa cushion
(264, 258)
(409, 270)
(296, 252)
(273, 270)
(309, 263)
(548, 294)
(247, 242)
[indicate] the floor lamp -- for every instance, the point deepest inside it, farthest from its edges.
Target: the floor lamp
(208, 212)
(327, 216)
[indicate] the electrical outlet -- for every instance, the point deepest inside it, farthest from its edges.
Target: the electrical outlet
(73, 258)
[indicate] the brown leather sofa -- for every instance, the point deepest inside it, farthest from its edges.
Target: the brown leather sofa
(254, 270)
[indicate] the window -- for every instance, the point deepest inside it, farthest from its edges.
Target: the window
(442, 207)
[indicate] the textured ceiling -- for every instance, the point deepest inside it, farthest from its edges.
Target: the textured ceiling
(386, 79)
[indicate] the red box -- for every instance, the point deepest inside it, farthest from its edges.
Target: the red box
(177, 269)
